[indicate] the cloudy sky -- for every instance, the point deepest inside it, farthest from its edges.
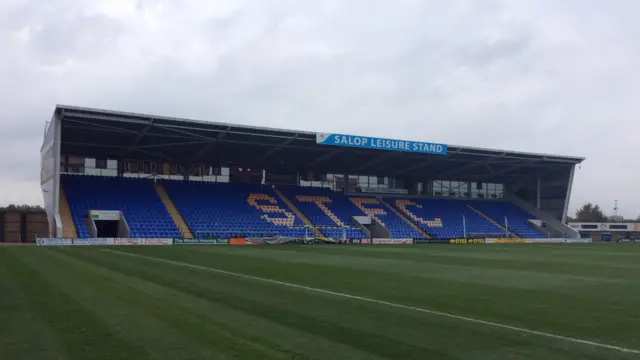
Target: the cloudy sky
(552, 76)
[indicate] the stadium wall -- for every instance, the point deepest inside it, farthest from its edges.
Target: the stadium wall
(50, 174)
(23, 226)
(276, 240)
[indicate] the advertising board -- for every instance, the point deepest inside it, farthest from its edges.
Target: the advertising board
(54, 242)
(158, 241)
(432, 241)
(507, 241)
(102, 241)
(90, 242)
(237, 241)
(578, 241)
(201, 241)
(254, 241)
(452, 241)
(392, 241)
(110, 215)
(504, 241)
(468, 241)
(142, 241)
(125, 241)
(366, 142)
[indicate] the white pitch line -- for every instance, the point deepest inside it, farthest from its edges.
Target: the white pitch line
(382, 302)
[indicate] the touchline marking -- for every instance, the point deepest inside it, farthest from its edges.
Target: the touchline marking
(382, 302)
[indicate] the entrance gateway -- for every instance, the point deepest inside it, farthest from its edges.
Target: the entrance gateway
(107, 224)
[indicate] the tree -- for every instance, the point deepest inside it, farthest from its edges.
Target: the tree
(590, 213)
(22, 208)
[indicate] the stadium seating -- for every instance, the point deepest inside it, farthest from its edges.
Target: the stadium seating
(254, 210)
(397, 226)
(446, 218)
(517, 220)
(143, 210)
(228, 210)
(331, 212)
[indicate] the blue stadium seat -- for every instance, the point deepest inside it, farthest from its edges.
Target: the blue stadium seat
(397, 226)
(138, 200)
(330, 212)
(446, 218)
(230, 210)
(517, 220)
(333, 212)
(254, 210)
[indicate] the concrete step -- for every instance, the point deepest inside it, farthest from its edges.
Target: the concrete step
(68, 225)
(406, 219)
(297, 211)
(173, 211)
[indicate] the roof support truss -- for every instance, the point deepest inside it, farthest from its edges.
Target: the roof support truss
(274, 149)
(418, 166)
(139, 136)
(145, 136)
(212, 143)
(324, 158)
(458, 170)
(97, 127)
(377, 160)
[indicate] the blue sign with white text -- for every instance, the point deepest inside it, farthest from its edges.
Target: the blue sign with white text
(366, 142)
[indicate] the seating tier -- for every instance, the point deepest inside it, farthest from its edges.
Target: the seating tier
(228, 210)
(516, 219)
(445, 218)
(137, 199)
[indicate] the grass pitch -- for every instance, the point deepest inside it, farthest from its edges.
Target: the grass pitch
(321, 302)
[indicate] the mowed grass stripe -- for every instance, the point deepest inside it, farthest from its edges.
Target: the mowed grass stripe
(528, 279)
(563, 260)
(572, 310)
(343, 321)
(23, 333)
(324, 319)
(183, 307)
(110, 304)
(401, 306)
(202, 316)
(81, 332)
(170, 330)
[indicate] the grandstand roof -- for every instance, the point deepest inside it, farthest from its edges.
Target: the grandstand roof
(122, 135)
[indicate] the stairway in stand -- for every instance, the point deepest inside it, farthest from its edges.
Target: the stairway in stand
(173, 211)
(297, 211)
(68, 226)
(403, 217)
(490, 219)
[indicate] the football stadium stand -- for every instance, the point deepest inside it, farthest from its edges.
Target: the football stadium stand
(398, 227)
(334, 213)
(510, 217)
(230, 210)
(444, 218)
(167, 178)
(137, 199)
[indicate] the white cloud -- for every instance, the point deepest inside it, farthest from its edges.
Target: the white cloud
(541, 76)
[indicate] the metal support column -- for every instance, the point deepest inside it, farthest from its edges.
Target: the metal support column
(346, 183)
(538, 192)
(568, 195)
